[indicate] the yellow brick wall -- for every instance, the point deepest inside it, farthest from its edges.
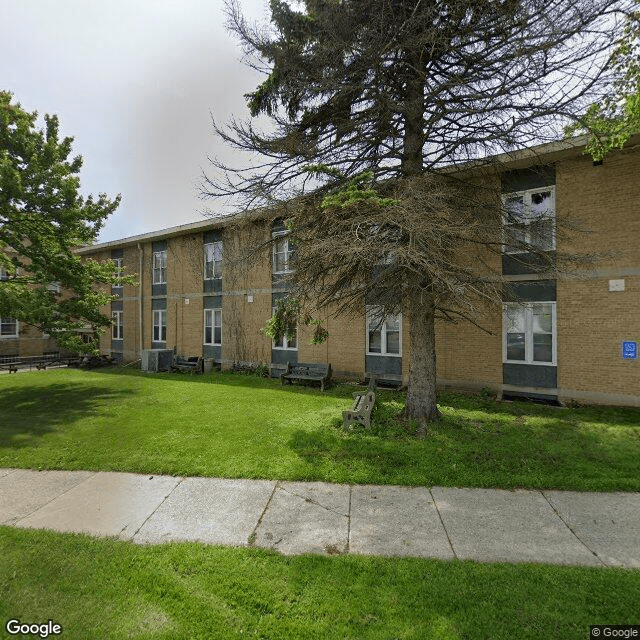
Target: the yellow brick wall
(345, 348)
(593, 321)
(605, 199)
(465, 352)
(246, 275)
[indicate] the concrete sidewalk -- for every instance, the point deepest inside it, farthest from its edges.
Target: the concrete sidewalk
(598, 529)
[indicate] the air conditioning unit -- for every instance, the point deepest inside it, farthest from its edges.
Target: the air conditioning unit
(157, 359)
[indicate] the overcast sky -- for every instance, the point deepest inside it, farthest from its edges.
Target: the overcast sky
(134, 82)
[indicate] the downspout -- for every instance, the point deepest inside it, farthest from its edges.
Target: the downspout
(140, 299)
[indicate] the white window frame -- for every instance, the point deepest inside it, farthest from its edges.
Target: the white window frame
(9, 321)
(528, 334)
(159, 267)
(286, 346)
(159, 322)
(527, 219)
(117, 325)
(373, 314)
(119, 270)
(210, 317)
(288, 251)
(210, 249)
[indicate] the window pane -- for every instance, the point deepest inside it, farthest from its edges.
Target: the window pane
(292, 341)
(393, 323)
(217, 319)
(515, 346)
(207, 326)
(8, 327)
(393, 342)
(217, 258)
(515, 319)
(542, 318)
(515, 207)
(375, 341)
(280, 255)
(278, 343)
(542, 347)
(542, 234)
(208, 261)
(541, 205)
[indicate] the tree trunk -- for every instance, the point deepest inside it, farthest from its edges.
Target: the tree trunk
(421, 394)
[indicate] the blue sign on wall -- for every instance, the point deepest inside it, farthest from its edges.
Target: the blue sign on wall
(629, 349)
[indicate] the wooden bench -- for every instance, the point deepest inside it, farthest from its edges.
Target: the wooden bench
(13, 368)
(192, 365)
(308, 371)
(363, 403)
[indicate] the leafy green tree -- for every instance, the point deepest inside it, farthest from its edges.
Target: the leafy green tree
(368, 102)
(42, 219)
(612, 121)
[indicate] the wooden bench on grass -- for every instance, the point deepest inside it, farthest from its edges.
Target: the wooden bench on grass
(363, 403)
(192, 364)
(308, 371)
(13, 367)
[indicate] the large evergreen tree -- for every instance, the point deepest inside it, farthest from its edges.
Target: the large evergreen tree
(42, 219)
(368, 102)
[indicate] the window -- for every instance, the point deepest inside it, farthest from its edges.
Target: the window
(159, 267)
(282, 252)
(213, 326)
(530, 333)
(384, 333)
(4, 275)
(8, 328)
(530, 219)
(213, 260)
(117, 326)
(54, 287)
(286, 342)
(159, 325)
(119, 268)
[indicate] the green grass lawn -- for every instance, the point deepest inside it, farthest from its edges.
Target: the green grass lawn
(104, 588)
(235, 426)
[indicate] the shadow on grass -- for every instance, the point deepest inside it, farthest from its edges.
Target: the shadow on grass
(507, 447)
(29, 412)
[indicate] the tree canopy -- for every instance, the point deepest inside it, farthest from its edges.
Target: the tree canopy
(42, 219)
(370, 105)
(612, 121)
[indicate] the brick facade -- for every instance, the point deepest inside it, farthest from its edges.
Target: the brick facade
(591, 321)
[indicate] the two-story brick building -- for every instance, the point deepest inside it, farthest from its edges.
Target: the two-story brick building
(570, 338)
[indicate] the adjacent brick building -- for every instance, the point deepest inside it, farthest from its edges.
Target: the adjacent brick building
(571, 338)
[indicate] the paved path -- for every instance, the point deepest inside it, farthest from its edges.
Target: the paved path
(598, 529)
